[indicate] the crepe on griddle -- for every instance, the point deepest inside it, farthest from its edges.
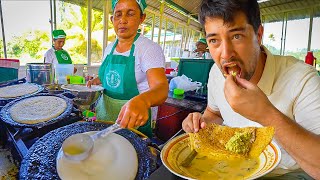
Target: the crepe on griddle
(37, 109)
(215, 140)
(18, 90)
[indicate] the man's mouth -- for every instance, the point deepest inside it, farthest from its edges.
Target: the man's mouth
(232, 69)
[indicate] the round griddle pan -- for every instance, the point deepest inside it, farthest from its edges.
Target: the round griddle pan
(6, 118)
(40, 161)
(4, 101)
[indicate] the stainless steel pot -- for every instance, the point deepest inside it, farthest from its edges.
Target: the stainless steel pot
(40, 73)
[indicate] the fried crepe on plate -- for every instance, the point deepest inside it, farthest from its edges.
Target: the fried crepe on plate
(222, 141)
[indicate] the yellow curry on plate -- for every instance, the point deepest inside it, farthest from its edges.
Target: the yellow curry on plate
(223, 153)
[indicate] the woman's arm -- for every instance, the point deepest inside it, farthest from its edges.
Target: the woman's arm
(135, 112)
(159, 88)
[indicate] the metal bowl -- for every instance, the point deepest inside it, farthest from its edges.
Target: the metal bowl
(84, 96)
(53, 88)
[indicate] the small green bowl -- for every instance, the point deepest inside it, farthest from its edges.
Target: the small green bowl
(178, 92)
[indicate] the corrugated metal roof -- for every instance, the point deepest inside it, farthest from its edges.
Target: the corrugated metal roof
(272, 10)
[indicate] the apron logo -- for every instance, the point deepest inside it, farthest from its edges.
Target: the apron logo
(113, 79)
(64, 57)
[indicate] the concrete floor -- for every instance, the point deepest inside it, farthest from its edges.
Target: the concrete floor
(8, 170)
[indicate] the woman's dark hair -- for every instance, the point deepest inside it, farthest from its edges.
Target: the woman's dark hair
(228, 9)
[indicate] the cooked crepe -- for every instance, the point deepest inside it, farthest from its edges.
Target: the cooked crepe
(216, 140)
(112, 157)
(18, 90)
(37, 109)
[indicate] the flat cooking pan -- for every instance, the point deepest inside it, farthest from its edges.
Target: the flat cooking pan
(6, 118)
(4, 101)
(40, 161)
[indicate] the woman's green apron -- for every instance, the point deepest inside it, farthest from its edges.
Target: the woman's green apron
(117, 75)
(63, 57)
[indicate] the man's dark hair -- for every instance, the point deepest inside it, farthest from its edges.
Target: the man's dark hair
(228, 9)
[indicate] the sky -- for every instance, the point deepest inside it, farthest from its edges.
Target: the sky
(20, 16)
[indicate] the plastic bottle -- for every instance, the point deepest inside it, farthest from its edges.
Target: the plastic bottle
(310, 59)
(85, 72)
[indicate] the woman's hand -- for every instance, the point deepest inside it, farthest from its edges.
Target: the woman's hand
(134, 113)
(95, 81)
(193, 122)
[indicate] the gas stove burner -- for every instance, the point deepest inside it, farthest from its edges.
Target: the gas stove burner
(22, 138)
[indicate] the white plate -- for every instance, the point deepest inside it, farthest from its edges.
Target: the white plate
(178, 149)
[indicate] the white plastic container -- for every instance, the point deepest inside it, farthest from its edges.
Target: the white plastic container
(62, 71)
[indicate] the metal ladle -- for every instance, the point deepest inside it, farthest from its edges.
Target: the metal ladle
(79, 146)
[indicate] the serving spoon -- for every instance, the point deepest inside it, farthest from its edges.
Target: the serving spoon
(79, 146)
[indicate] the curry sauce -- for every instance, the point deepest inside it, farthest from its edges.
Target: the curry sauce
(205, 168)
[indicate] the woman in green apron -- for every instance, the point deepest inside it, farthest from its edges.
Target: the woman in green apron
(132, 72)
(57, 55)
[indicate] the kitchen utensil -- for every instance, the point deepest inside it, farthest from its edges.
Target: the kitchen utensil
(40, 73)
(84, 96)
(41, 158)
(53, 88)
(112, 157)
(79, 146)
(62, 71)
(187, 161)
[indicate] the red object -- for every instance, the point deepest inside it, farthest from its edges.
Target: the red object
(168, 70)
(169, 120)
(13, 60)
(9, 63)
(310, 58)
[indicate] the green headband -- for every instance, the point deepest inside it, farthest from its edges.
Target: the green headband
(58, 34)
(203, 40)
(142, 4)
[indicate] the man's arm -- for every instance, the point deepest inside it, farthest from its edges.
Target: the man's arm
(302, 145)
(248, 100)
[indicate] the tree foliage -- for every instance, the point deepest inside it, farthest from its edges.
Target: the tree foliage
(76, 21)
(31, 45)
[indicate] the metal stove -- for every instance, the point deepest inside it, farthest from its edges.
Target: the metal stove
(20, 139)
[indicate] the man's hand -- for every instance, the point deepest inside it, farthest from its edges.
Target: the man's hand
(247, 99)
(193, 122)
(134, 113)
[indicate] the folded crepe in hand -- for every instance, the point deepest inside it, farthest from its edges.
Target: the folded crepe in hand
(222, 141)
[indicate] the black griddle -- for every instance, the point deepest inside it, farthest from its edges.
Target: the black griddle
(40, 161)
(6, 117)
